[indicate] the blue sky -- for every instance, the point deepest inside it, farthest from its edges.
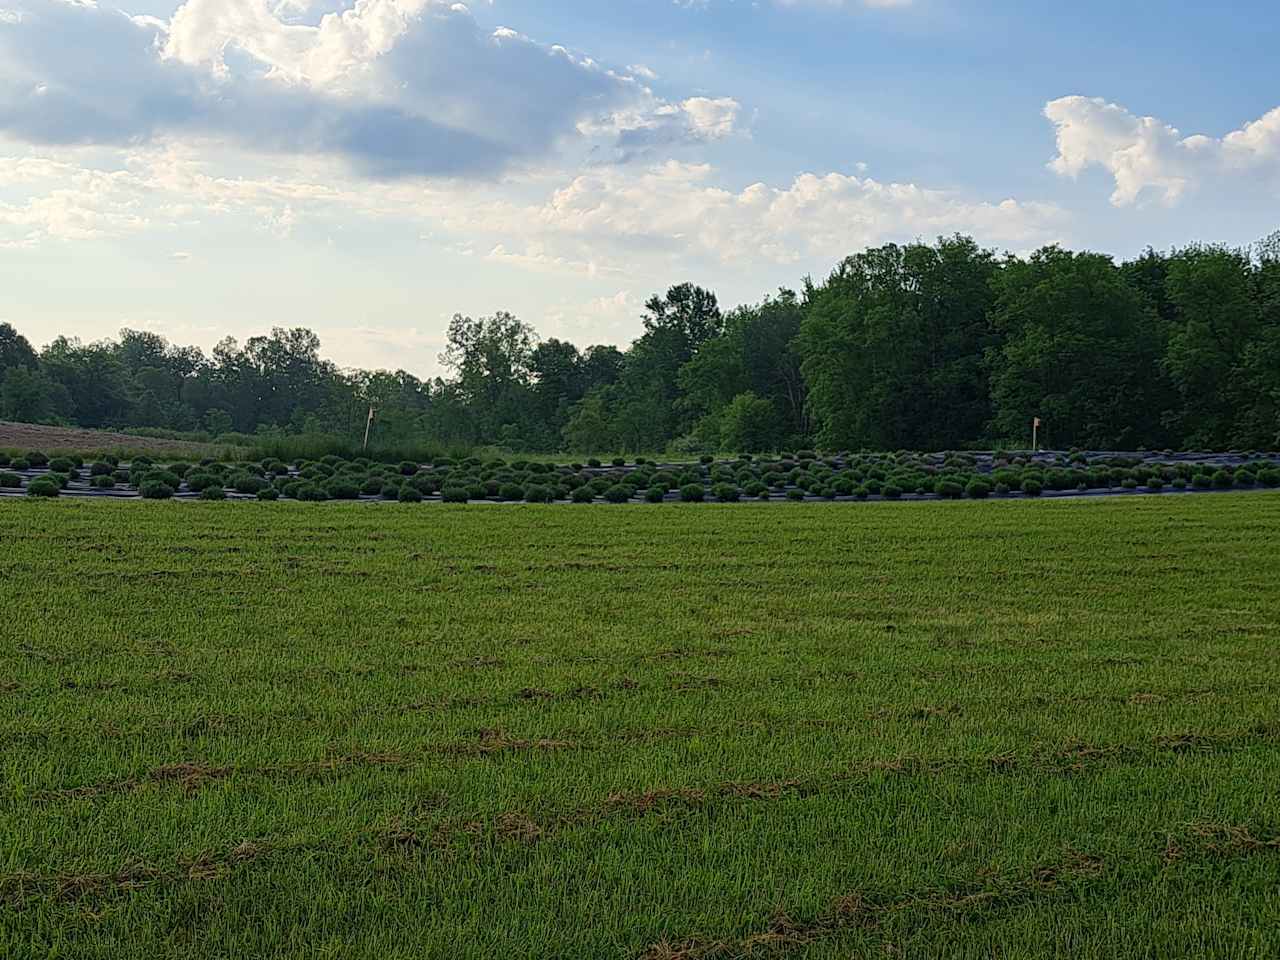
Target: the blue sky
(369, 168)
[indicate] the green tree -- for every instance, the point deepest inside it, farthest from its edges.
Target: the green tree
(1079, 340)
(749, 424)
(891, 347)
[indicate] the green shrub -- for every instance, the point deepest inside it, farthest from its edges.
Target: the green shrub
(4, 459)
(891, 491)
(1178, 483)
(726, 492)
(340, 489)
(756, 489)
(248, 483)
(1245, 479)
(391, 491)
(583, 494)
(1269, 478)
(155, 490)
(977, 490)
(372, 487)
(795, 493)
(43, 487)
(20, 463)
(107, 482)
(693, 493)
(455, 494)
(197, 480)
(61, 479)
(268, 493)
(1202, 481)
(537, 493)
(405, 494)
(10, 480)
(310, 492)
(214, 492)
(948, 489)
(618, 493)
(1129, 483)
(100, 469)
(35, 458)
(655, 494)
(511, 492)
(1223, 480)
(1155, 484)
(1031, 487)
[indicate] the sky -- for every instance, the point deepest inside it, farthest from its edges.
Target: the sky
(368, 168)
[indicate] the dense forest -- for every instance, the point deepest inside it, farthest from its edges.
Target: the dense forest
(931, 347)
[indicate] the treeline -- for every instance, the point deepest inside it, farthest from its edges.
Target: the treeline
(923, 346)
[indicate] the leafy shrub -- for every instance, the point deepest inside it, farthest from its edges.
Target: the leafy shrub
(537, 493)
(268, 493)
(61, 479)
(372, 487)
(1202, 481)
(248, 483)
(391, 491)
(100, 469)
(214, 492)
(977, 490)
(107, 482)
(455, 494)
(10, 480)
(310, 492)
(655, 494)
(1269, 478)
(619, 461)
(43, 487)
(726, 492)
(1245, 479)
(1178, 483)
(1155, 484)
(948, 489)
(1031, 487)
(693, 493)
(155, 490)
(35, 458)
(891, 491)
(593, 462)
(1223, 480)
(199, 479)
(795, 493)
(20, 463)
(341, 489)
(406, 494)
(756, 489)
(1129, 483)
(583, 494)
(4, 459)
(618, 493)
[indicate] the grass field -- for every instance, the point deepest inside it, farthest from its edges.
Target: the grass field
(906, 730)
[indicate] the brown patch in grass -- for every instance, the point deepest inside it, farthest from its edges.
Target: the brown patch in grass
(495, 741)
(859, 910)
(1231, 840)
(686, 682)
(478, 663)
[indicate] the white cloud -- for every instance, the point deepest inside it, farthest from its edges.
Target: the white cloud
(1144, 153)
(396, 87)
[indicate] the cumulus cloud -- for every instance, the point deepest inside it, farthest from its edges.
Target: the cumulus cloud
(1144, 153)
(396, 87)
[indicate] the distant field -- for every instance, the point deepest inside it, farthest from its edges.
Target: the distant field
(1011, 729)
(31, 436)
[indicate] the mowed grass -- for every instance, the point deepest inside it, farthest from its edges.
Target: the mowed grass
(813, 731)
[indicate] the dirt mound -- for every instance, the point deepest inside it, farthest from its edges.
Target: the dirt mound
(32, 436)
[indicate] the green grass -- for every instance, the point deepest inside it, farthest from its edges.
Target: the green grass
(807, 731)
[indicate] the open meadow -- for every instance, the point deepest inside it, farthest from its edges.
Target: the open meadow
(965, 729)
